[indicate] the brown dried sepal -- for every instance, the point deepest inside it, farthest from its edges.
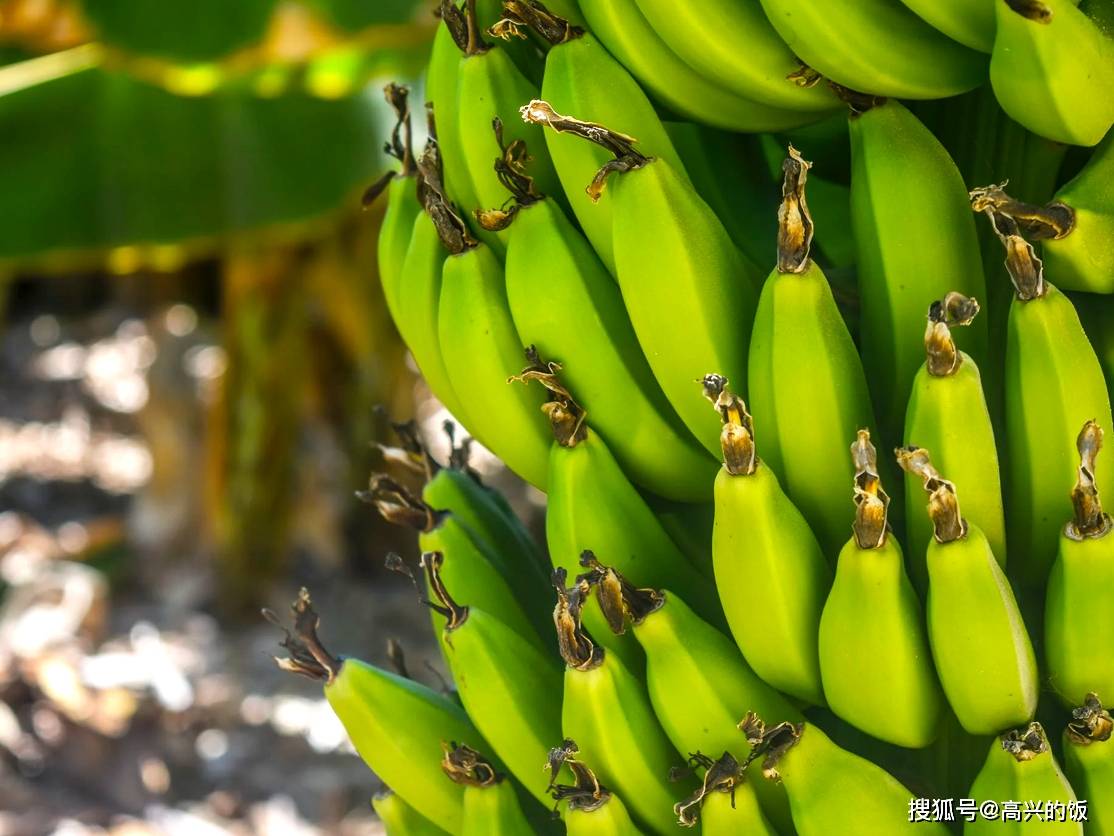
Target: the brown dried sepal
(722, 775)
(566, 417)
(464, 765)
(1033, 10)
(737, 436)
(586, 793)
(618, 598)
(1039, 223)
(771, 744)
(577, 649)
(308, 656)
(398, 506)
(943, 356)
(398, 145)
(1025, 744)
(795, 229)
(872, 503)
(510, 169)
(1090, 521)
(1090, 723)
(451, 229)
(943, 503)
(531, 14)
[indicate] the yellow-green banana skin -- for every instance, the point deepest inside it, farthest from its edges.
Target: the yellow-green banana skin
(971, 22)
(416, 314)
(833, 792)
(494, 811)
(688, 290)
(1079, 619)
(1003, 778)
(583, 80)
(1091, 771)
(1084, 258)
(612, 819)
(948, 416)
(874, 655)
(566, 304)
(482, 349)
(393, 722)
(511, 690)
(718, 689)
(1054, 384)
(916, 238)
(772, 580)
(400, 819)
(442, 79)
(394, 237)
(724, 814)
(606, 710)
(624, 30)
(1053, 76)
(983, 654)
(808, 395)
(877, 47)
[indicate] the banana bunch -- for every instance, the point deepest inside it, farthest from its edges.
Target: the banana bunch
(876, 596)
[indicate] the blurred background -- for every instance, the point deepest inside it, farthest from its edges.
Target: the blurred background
(193, 348)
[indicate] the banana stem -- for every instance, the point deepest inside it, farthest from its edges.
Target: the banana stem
(618, 598)
(308, 656)
(1090, 722)
(1025, 744)
(943, 358)
(464, 765)
(539, 112)
(737, 436)
(722, 775)
(578, 651)
(586, 793)
(531, 14)
(872, 503)
(943, 504)
(769, 744)
(795, 229)
(1090, 521)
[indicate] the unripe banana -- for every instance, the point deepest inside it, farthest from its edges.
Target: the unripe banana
(493, 582)
(726, 802)
(874, 656)
(1089, 763)
(676, 266)
(624, 30)
(403, 205)
(1079, 609)
(807, 387)
(607, 707)
(566, 304)
(948, 415)
(875, 46)
(698, 683)
(581, 77)
(400, 819)
(481, 348)
(396, 724)
(770, 571)
(593, 810)
(916, 242)
(1053, 385)
(832, 792)
(1020, 767)
(509, 686)
(1051, 69)
(979, 643)
(971, 22)
(735, 45)
(490, 805)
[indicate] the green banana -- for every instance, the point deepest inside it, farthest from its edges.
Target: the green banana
(770, 571)
(1052, 68)
(496, 583)
(1079, 608)
(690, 663)
(582, 77)
(971, 22)
(509, 686)
(593, 810)
(1097, 315)
(948, 415)
(875, 46)
(734, 45)
(1020, 767)
(874, 655)
(1054, 383)
(565, 303)
(490, 805)
(726, 802)
(1089, 763)
(400, 819)
(979, 643)
(481, 348)
(391, 720)
(403, 205)
(916, 241)
(606, 704)
(687, 288)
(832, 792)
(623, 28)
(806, 411)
